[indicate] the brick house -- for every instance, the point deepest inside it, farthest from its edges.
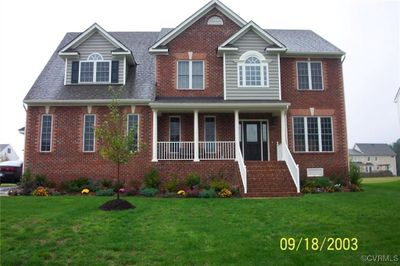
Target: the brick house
(214, 95)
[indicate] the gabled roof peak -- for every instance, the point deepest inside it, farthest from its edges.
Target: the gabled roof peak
(193, 18)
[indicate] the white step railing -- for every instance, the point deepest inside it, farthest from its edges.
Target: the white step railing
(242, 167)
(283, 154)
(216, 150)
(171, 150)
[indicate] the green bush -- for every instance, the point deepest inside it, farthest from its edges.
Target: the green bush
(104, 183)
(172, 185)
(27, 183)
(322, 182)
(149, 192)
(208, 193)
(105, 192)
(355, 175)
(336, 179)
(192, 180)
(219, 184)
(76, 185)
(152, 179)
(41, 180)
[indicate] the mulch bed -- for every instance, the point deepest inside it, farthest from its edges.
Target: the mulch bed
(116, 205)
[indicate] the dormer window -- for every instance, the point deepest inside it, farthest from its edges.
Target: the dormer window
(95, 69)
(253, 70)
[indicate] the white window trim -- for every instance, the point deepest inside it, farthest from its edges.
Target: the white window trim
(215, 126)
(138, 127)
(262, 64)
(94, 134)
(94, 72)
(51, 133)
(190, 74)
(319, 134)
(309, 76)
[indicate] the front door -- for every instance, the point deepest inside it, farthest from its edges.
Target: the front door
(252, 141)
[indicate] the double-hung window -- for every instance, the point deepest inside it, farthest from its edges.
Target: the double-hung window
(95, 69)
(190, 74)
(253, 72)
(309, 75)
(45, 133)
(313, 134)
(133, 131)
(88, 133)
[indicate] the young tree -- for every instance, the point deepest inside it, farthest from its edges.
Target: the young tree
(116, 144)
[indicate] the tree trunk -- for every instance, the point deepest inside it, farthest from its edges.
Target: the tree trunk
(118, 181)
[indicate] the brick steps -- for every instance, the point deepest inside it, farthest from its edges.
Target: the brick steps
(269, 179)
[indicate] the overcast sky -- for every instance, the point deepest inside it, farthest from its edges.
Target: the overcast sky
(368, 31)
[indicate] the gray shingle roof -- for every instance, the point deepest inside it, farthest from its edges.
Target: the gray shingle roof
(140, 82)
(303, 41)
(374, 149)
(3, 146)
(139, 85)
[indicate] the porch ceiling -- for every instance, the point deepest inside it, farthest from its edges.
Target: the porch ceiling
(212, 105)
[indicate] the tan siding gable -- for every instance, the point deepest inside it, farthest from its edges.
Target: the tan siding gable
(250, 41)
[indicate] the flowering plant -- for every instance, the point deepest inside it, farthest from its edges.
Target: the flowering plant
(40, 191)
(85, 191)
(122, 190)
(181, 193)
(225, 193)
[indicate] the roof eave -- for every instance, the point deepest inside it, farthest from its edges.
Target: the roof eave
(84, 102)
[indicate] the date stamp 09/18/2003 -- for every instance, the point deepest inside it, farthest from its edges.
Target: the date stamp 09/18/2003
(318, 244)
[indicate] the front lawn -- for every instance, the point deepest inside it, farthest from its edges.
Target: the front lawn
(370, 180)
(71, 230)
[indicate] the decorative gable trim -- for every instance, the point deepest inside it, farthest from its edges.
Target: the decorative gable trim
(86, 34)
(259, 31)
(192, 19)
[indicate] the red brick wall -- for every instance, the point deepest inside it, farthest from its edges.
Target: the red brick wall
(329, 102)
(202, 40)
(67, 160)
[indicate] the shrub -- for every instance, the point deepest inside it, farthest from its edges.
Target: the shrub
(105, 192)
(40, 191)
(322, 182)
(41, 180)
(355, 175)
(172, 185)
(192, 180)
(336, 179)
(104, 183)
(27, 183)
(118, 186)
(225, 193)
(219, 184)
(337, 187)
(306, 189)
(355, 188)
(208, 193)
(193, 192)
(148, 192)
(152, 179)
(76, 185)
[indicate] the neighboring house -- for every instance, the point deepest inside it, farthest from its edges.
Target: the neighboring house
(397, 101)
(7, 153)
(216, 94)
(372, 157)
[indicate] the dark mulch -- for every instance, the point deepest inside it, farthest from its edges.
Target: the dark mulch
(116, 205)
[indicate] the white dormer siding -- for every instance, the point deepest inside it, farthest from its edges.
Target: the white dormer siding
(268, 91)
(96, 43)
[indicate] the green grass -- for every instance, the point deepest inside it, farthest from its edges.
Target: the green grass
(8, 185)
(71, 230)
(372, 180)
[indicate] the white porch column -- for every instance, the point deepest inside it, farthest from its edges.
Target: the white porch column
(237, 150)
(196, 136)
(155, 124)
(283, 127)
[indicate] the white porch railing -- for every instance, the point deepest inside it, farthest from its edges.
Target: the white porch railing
(184, 150)
(242, 168)
(284, 154)
(171, 150)
(216, 150)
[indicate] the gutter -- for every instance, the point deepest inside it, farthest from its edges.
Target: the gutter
(219, 106)
(84, 102)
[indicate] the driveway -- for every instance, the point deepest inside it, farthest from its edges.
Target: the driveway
(4, 191)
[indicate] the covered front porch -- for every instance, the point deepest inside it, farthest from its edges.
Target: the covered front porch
(220, 131)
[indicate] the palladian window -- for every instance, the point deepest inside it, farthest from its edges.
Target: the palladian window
(253, 70)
